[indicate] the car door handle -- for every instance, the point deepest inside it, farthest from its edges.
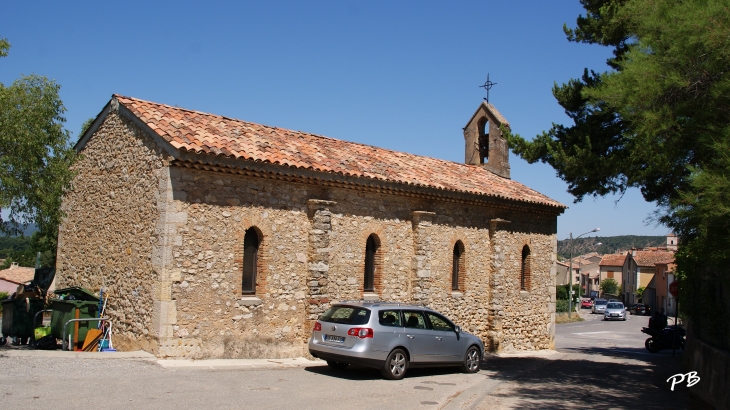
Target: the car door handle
(438, 338)
(409, 336)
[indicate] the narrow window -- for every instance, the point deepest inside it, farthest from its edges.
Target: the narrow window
(371, 247)
(609, 275)
(525, 271)
(250, 261)
(483, 126)
(457, 267)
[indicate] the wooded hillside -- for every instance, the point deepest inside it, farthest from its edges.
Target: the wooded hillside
(610, 244)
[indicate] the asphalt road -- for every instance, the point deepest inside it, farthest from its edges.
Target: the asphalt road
(600, 365)
(597, 365)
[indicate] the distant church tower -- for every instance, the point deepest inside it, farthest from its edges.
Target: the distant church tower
(485, 145)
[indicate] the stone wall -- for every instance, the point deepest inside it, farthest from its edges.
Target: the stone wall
(107, 237)
(713, 368)
(314, 254)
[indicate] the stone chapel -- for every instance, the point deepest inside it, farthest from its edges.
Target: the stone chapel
(216, 237)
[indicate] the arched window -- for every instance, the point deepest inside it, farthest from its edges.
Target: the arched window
(483, 127)
(525, 270)
(371, 262)
(250, 261)
(457, 267)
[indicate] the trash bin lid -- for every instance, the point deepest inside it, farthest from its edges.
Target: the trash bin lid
(44, 277)
(78, 293)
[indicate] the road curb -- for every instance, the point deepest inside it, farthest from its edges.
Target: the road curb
(137, 355)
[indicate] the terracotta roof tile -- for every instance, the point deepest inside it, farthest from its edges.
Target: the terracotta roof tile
(214, 134)
(651, 258)
(17, 274)
(613, 259)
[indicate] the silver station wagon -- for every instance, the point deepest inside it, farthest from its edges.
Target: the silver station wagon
(392, 337)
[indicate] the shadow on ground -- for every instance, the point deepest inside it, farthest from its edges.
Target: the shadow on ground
(592, 378)
(366, 373)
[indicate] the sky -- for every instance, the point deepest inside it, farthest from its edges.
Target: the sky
(399, 75)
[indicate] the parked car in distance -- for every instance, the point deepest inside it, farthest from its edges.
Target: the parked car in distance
(640, 309)
(392, 337)
(586, 304)
(613, 300)
(599, 305)
(614, 311)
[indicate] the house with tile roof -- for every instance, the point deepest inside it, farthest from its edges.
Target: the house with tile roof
(219, 237)
(561, 273)
(639, 269)
(657, 294)
(611, 266)
(15, 276)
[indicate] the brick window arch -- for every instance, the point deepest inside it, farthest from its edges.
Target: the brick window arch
(525, 272)
(251, 246)
(372, 274)
(458, 271)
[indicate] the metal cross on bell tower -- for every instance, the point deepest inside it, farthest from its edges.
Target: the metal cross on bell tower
(487, 86)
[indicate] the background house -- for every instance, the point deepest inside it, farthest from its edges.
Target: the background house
(611, 266)
(561, 273)
(588, 271)
(13, 276)
(639, 269)
(657, 293)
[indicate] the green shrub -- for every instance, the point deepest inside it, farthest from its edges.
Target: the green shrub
(609, 286)
(561, 291)
(561, 306)
(3, 296)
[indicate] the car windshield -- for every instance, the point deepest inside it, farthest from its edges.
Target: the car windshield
(601, 302)
(615, 306)
(347, 315)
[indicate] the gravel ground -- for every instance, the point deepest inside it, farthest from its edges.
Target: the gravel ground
(40, 367)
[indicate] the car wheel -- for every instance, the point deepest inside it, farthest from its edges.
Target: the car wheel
(651, 345)
(472, 360)
(396, 365)
(337, 365)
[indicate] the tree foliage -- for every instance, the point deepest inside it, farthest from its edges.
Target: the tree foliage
(35, 155)
(26, 250)
(609, 286)
(658, 120)
(561, 291)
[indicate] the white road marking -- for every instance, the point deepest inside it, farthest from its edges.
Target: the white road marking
(589, 333)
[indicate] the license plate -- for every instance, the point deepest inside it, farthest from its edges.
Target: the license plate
(336, 339)
(614, 314)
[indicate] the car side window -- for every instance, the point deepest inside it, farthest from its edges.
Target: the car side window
(389, 318)
(414, 319)
(439, 323)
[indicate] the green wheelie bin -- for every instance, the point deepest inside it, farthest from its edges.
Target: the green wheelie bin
(73, 303)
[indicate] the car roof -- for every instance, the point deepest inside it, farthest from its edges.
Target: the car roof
(369, 304)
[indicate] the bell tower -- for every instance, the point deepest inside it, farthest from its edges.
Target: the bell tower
(485, 145)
